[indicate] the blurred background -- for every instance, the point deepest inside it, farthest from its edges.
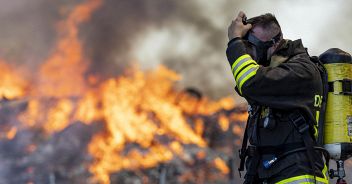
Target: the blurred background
(187, 36)
(89, 42)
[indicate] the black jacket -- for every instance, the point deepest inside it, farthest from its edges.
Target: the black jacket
(293, 85)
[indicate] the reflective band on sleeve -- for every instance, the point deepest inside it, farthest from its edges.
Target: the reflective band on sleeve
(238, 60)
(243, 69)
(246, 74)
(243, 63)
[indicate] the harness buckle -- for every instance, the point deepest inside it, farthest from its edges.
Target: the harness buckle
(251, 150)
(300, 123)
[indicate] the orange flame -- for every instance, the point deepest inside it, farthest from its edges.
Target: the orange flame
(221, 165)
(11, 133)
(63, 72)
(62, 76)
(58, 117)
(11, 84)
(137, 107)
(131, 106)
(224, 122)
(87, 110)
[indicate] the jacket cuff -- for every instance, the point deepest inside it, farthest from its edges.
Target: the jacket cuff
(236, 48)
(233, 40)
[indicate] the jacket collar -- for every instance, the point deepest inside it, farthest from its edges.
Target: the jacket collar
(287, 50)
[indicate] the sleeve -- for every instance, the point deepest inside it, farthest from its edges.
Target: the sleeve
(242, 65)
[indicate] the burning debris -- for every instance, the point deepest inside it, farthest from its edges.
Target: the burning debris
(86, 152)
(64, 125)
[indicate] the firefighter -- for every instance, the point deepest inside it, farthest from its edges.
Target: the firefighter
(283, 88)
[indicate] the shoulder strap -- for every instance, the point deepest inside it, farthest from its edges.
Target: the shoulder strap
(302, 126)
(324, 77)
(243, 152)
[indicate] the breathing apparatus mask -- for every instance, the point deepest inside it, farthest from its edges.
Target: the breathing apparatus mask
(259, 47)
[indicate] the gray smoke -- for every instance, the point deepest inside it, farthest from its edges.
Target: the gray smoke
(27, 29)
(187, 36)
(118, 29)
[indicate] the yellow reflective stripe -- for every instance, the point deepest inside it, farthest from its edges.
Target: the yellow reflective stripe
(244, 72)
(303, 177)
(241, 64)
(317, 113)
(317, 116)
(325, 170)
(243, 69)
(246, 75)
(238, 60)
(316, 132)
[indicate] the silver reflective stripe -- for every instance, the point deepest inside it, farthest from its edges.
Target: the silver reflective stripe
(305, 180)
(240, 63)
(245, 74)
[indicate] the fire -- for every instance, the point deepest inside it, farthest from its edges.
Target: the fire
(132, 116)
(63, 72)
(59, 116)
(224, 122)
(11, 133)
(88, 110)
(221, 165)
(142, 108)
(62, 77)
(137, 108)
(11, 84)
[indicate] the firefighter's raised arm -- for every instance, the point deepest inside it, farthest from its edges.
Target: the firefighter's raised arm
(239, 54)
(237, 28)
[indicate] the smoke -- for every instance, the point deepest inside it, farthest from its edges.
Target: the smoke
(187, 36)
(109, 35)
(28, 29)
(177, 34)
(190, 37)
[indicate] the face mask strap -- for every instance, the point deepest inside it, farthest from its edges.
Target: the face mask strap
(276, 38)
(255, 41)
(262, 47)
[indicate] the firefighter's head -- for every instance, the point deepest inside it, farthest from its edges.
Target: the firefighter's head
(265, 35)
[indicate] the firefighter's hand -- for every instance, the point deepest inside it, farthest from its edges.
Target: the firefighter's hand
(237, 28)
